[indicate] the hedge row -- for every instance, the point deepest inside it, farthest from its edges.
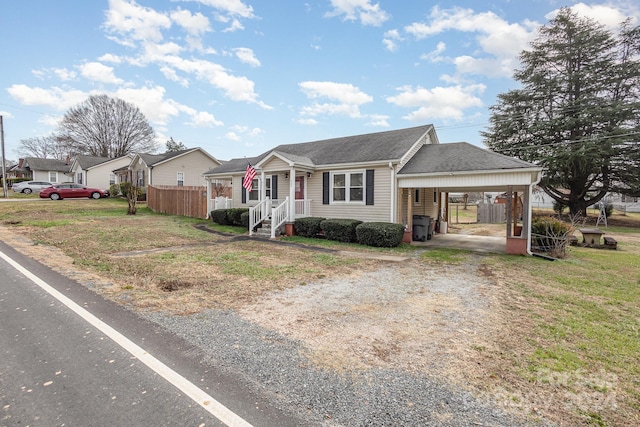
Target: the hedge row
(381, 234)
(234, 216)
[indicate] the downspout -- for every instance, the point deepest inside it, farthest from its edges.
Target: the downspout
(206, 179)
(529, 215)
(393, 194)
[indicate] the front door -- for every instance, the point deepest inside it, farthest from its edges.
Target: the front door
(299, 187)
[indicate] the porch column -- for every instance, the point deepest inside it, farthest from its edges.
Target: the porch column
(262, 187)
(526, 218)
(410, 211)
(515, 212)
(292, 194)
(509, 209)
(399, 212)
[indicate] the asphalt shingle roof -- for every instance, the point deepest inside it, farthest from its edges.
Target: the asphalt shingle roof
(87, 162)
(459, 157)
(35, 163)
(372, 147)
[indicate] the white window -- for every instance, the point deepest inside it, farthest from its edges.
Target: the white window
(112, 179)
(416, 197)
(79, 177)
(140, 178)
(347, 187)
(255, 187)
(53, 176)
(180, 179)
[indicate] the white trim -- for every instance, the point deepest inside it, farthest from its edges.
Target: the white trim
(347, 187)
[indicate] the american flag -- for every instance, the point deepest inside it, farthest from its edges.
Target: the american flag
(248, 177)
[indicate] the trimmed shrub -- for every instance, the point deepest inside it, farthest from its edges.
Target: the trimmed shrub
(550, 235)
(219, 216)
(308, 227)
(114, 190)
(234, 216)
(244, 219)
(380, 234)
(341, 230)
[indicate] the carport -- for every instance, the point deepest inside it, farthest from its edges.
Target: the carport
(462, 167)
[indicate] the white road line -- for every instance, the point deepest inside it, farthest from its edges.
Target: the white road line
(211, 405)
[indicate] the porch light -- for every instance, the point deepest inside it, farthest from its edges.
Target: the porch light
(308, 174)
(286, 175)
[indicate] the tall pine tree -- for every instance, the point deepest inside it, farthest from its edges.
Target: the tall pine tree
(577, 113)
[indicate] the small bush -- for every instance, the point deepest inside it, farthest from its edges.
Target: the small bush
(550, 235)
(219, 216)
(341, 230)
(308, 227)
(380, 234)
(244, 219)
(234, 216)
(114, 190)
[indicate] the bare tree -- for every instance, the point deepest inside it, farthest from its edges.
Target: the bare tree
(106, 127)
(46, 147)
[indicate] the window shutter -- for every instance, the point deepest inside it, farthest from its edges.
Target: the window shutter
(274, 187)
(325, 188)
(369, 193)
(244, 193)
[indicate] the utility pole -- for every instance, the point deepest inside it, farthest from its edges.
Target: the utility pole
(4, 161)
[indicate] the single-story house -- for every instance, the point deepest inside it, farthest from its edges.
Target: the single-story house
(95, 171)
(51, 170)
(385, 176)
(173, 168)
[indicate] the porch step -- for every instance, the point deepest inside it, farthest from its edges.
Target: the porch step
(265, 230)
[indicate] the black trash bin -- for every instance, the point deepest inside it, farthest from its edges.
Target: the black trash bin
(421, 228)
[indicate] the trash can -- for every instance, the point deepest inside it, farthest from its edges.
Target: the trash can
(421, 228)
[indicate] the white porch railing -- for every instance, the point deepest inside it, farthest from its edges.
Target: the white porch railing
(258, 213)
(303, 208)
(279, 216)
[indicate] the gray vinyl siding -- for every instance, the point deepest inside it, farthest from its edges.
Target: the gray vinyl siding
(380, 211)
(425, 206)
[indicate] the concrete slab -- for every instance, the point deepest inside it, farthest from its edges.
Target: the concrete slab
(466, 241)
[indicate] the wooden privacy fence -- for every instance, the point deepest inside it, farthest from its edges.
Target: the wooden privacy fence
(185, 201)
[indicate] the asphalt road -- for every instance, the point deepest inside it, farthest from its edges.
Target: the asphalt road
(85, 361)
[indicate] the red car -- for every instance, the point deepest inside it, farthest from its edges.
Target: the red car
(70, 190)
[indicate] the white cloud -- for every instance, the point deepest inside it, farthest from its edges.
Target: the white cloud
(500, 41)
(348, 99)
(439, 102)
(232, 136)
(606, 14)
(204, 119)
(194, 24)
(170, 74)
(362, 10)
(109, 57)
(229, 7)
(436, 54)
(390, 40)
(247, 56)
(307, 121)
(62, 74)
(98, 72)
(379, 120)
(131, 22)
(57, 98)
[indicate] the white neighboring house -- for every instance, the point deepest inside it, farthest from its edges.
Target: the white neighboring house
(174, 168)
(97, 172)
(51, 170)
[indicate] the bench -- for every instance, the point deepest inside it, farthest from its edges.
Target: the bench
(610, 243)
(591, 236)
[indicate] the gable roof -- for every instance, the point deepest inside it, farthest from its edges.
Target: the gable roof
(86, 161)
(459, 157)
(373, 147)
(156, 159)
(49, 165)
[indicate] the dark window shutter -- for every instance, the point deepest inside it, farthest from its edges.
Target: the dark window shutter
(325, 188)
(369, 194)
(274, 187)
(244, 195)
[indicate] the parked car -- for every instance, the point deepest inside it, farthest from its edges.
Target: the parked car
(70, 190)
(28, 187)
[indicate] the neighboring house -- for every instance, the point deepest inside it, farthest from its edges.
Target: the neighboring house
(97, 172)
(17, 171)
(181, 168)
(386, 176)
(52, 170)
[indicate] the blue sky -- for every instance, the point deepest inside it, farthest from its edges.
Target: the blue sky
(237, 77)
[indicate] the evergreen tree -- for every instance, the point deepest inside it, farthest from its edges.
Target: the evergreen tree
(577, 113)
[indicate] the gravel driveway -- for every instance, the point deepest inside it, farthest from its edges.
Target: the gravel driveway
(381, 348)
